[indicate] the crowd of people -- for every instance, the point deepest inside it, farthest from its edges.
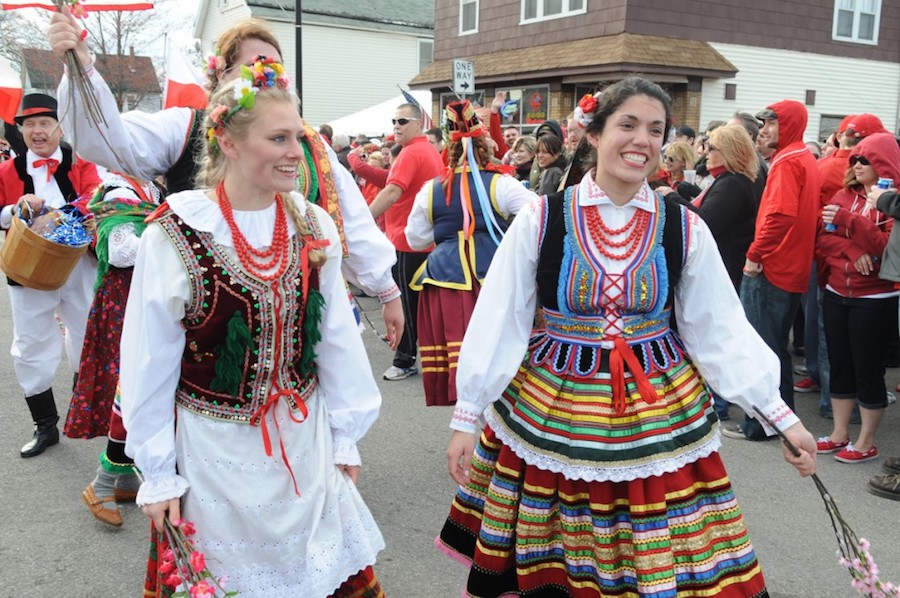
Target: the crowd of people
(591, 299)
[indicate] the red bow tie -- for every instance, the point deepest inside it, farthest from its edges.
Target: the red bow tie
(51, 165)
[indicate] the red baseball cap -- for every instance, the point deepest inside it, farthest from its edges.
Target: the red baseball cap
(863, 125)
(846, 122)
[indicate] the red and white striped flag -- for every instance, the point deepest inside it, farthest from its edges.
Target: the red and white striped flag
(184, 84)
(88, 5)
(427, 123)
(10, 91)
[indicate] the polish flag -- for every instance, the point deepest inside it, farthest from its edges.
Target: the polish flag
(88, 5)
(184, 85)
(10, 91)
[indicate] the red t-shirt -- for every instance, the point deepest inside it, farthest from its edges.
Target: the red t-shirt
(416, 165)
(832, 171)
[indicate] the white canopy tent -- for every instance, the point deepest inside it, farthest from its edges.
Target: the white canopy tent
(375, 121)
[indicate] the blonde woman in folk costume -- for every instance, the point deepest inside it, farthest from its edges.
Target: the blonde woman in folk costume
(239, 328)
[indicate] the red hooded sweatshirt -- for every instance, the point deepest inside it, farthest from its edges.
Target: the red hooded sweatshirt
(860, 230)
(785, 234)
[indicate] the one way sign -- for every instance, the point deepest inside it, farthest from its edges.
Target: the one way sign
(463, 77)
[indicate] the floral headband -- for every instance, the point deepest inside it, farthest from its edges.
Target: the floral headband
(584, 112)
(264, 73)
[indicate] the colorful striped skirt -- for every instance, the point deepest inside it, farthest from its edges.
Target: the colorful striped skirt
(443, 317)
(530, 532)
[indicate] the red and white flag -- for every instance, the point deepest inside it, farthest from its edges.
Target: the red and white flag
(184, 84)
(10, 91)
(87, 5)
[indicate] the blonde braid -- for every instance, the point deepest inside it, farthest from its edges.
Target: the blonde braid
(317, 257)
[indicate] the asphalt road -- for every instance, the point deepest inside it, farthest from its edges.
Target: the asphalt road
(51, 546)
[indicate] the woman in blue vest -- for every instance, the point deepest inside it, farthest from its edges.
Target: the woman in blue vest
(463, 213)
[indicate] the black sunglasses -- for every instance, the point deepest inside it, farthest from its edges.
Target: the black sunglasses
(670, 158)
(854, 160)
(401, 121)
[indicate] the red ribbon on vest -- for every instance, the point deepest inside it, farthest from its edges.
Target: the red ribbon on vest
(51, 164)
(259, 417)
(621, 356)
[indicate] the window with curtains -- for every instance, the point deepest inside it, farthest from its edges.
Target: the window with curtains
(856, 21)
(468, 16)
(541, 10)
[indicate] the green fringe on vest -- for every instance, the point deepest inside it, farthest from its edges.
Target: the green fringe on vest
(230, 356)
(311, 333)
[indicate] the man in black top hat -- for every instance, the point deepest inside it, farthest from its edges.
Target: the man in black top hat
(45, 175)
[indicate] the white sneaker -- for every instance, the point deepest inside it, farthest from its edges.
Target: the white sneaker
(395, 373)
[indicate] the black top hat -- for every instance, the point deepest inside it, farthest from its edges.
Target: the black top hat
(36, 104)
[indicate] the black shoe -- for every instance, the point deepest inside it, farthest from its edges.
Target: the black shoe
(45, 435)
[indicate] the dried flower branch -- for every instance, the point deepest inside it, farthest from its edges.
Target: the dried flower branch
(853, 552)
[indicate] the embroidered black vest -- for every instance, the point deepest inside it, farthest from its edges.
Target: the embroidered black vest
(222, 377)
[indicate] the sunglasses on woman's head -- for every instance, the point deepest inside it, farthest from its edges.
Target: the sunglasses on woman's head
(854, 160)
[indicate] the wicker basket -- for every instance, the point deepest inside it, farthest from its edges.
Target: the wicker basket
(36, 262)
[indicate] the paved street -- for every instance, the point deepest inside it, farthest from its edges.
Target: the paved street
(50, 546)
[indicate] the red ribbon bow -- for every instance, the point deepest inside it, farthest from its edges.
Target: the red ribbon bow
(51, 165)
(620, 357)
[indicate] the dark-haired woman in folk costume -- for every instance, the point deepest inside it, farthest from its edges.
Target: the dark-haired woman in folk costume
(597, 472)
(463, 214)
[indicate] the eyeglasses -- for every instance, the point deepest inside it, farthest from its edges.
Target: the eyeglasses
(401, 121)
(711, 148)
(854, 160)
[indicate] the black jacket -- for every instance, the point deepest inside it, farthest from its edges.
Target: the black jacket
(729, 209)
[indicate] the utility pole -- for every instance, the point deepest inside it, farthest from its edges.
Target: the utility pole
(298, 51)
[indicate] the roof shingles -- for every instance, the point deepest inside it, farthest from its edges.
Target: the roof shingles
(598, 54)
(136, 74)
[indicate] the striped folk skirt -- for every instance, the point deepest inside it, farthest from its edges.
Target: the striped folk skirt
(530, 532)
(443, 317)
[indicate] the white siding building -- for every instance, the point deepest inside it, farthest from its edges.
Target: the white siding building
(354, 54)
(841, 86)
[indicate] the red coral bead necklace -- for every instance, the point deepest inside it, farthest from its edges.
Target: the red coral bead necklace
(255, 261)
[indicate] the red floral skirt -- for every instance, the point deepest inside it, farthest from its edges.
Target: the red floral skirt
(443, 317)
(98, 374)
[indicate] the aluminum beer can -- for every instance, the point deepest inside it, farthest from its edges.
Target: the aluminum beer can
(884, 183)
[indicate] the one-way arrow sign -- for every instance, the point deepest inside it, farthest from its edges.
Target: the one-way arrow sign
(463, 77)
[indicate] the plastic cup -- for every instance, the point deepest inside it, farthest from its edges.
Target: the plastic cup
(690, 176)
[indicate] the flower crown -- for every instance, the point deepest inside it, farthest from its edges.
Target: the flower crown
(264, 73)
(584, 112)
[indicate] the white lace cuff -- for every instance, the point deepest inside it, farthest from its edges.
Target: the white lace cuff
(779, 414)
(123, 245)
(160, 489)
(465, 418)
(389, 294)
(345, 452)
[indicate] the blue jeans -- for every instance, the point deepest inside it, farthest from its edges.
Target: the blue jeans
(814, 341)
(771, 312)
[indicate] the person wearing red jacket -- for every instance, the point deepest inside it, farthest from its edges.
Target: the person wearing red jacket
(857, 302)
(779, 260)
(46, 175)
